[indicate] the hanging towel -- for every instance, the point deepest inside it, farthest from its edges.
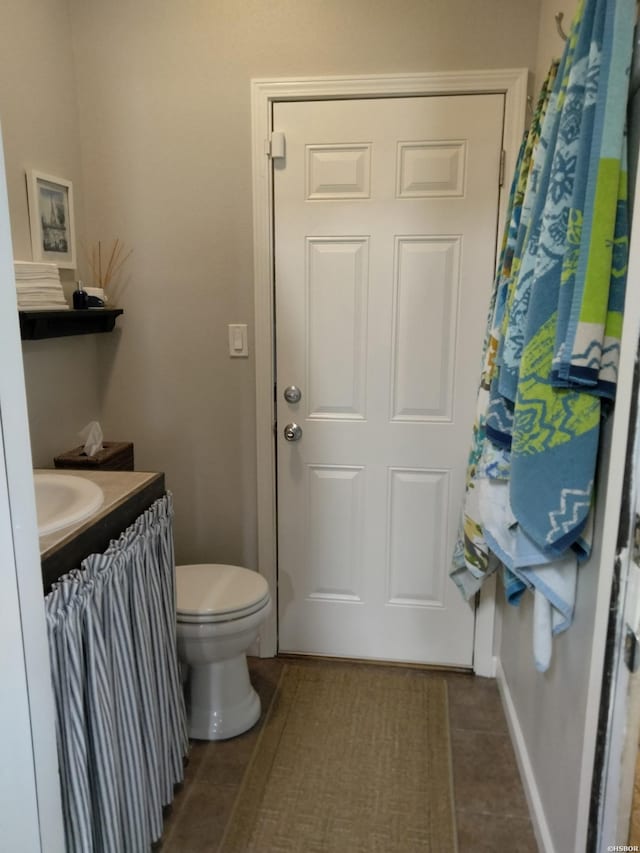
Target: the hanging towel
(514, 319)
(590, 314)
(554, 590)
(554, 341)
(512, 299)
(556, 430)
(472, 560)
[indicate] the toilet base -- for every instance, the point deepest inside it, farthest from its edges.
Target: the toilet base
(221, 703)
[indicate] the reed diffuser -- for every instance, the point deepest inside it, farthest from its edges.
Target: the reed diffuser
(106, 265)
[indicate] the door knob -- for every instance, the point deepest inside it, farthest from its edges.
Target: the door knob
(292, 394)
(292, 432)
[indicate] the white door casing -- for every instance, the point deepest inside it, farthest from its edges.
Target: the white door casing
(30, 803)
(265, 93)
(385, 216)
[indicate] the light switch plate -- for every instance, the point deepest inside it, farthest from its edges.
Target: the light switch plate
(238, 346)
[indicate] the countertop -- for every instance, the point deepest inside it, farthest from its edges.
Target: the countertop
(127, 494)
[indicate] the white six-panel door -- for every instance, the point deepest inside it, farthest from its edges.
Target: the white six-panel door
(385, 216)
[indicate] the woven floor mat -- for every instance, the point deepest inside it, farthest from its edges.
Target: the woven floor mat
(349, 761)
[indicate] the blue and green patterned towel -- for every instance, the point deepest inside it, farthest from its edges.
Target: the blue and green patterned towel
(552, 346)
(556, 429)
(472, 560)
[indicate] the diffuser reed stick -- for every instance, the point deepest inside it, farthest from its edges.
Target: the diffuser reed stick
(103, 275)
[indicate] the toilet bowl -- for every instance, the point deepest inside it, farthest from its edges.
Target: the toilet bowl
(219, 612)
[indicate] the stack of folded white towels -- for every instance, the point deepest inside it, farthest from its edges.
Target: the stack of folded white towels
(39, 287)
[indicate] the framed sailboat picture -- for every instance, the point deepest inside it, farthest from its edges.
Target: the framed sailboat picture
(51, 219)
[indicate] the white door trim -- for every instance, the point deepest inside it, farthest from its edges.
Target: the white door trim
(617, 463)
(31, 810)
(512, 82)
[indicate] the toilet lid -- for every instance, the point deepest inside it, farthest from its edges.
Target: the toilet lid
(210, 590)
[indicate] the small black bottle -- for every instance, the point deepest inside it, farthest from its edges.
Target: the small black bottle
(80, 296)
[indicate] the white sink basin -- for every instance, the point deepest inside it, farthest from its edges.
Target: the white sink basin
(64, 499)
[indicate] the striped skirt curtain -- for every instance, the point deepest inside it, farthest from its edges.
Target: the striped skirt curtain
(120, 714)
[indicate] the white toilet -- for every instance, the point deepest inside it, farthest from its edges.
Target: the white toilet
(219, 612)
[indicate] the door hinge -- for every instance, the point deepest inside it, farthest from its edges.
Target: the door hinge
(503, 159)
(275, 146)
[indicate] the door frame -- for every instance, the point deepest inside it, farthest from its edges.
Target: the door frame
(512, 83)
(31, 810)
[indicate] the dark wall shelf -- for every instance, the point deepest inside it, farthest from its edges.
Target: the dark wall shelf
(36, 325)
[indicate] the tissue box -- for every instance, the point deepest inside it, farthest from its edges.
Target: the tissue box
(116, 456)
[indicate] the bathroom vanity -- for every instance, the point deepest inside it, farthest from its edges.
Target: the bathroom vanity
(117, 617)
(127, 494)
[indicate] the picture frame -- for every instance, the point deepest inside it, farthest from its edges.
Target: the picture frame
(51, 219)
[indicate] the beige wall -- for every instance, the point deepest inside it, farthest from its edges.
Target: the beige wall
(38, 104)
(164, 92)
(551, 706)
(550, 45)
(38, 113)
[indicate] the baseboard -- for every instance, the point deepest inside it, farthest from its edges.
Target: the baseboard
(534, 801)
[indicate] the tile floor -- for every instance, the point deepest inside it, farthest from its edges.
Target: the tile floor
(491, 810)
